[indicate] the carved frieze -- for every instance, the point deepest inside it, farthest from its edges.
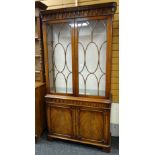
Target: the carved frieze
(50, 101)
(79, 12)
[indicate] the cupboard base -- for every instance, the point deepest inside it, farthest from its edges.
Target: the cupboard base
(105, 148)
(84, 120)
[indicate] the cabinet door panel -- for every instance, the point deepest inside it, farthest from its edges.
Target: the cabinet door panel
(60, 120)
(59, 42)
(92, 44)
(91, 125)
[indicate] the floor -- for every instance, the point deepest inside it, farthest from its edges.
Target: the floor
(59, 147)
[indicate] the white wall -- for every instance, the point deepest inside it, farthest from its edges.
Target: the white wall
(114, 119)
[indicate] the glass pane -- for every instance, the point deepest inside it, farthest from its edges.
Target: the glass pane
(91, 85)
(92, 57)
(81, 84)
(60, 57)
(60, 83)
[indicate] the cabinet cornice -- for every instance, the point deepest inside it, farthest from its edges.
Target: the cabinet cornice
(80, 11)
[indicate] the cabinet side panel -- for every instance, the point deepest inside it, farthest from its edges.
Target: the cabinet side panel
(109, 56)
(48, 114)
(37, 115)
(40, 118)
(107, 127)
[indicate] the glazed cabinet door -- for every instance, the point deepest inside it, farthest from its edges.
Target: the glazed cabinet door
(58, 44)
(93, 47)
(60, 120)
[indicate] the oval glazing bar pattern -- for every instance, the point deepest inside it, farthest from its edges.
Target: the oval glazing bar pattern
(92, 57)
(60, 57)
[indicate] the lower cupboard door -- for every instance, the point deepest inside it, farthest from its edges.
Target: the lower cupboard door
(60, 121)
(91, 125)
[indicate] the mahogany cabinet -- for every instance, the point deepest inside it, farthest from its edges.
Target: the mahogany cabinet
(77, 50)
(40, 109)
(39, 69)
(40, 117)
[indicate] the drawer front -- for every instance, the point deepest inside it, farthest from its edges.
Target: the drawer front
(60, 120)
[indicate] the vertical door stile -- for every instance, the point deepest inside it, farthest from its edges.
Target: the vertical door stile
(73, 74)
(106, 127)
(73, 55)
(74, 121)
(76, 84)
(78, 122)
(108, 57)
(46, 56)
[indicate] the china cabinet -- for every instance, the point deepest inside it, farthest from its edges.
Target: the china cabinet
(39, 70)
(77, 50)
(40, 116)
